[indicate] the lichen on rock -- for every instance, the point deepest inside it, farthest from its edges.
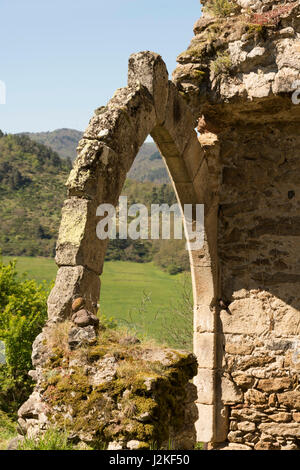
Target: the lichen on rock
(112, 391)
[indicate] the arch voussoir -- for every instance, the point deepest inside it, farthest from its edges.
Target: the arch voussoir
(124, 124)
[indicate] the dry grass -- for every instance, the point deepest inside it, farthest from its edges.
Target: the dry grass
(57, 337)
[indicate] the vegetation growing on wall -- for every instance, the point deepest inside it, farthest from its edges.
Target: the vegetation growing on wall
(32, 192)
(221, 7)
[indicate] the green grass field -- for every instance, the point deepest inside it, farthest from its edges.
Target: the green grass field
(140, 296)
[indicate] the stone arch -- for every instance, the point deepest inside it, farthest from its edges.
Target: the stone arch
(150, 104)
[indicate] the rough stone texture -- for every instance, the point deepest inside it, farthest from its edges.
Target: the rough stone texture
(72, 282)
(84, 318)
(238, 78)
(81, 336)
(107, 393)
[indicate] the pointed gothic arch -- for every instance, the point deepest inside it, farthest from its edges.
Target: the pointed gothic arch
(150, 104)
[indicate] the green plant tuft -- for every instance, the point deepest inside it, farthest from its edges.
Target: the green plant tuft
(221, 7)
(222, 64)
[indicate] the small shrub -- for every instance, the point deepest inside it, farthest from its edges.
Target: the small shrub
(222, 63)
(272, 17)
(174, 269)
(199, 446)
(23, 311)
(221, 7)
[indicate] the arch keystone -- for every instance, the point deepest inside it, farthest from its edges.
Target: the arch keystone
(149, 69)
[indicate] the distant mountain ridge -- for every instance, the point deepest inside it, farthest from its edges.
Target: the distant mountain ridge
(148, 165)
(63, 141)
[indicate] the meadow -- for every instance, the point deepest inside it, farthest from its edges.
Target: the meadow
(138, 296)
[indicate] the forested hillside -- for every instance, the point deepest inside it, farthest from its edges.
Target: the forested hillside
(62, 141)
(32, 191)
(148, 165)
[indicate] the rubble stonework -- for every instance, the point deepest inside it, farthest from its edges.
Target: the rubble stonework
(109, 391)
(238, 76)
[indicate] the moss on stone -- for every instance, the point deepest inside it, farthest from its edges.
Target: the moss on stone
(222, 63)
(199, 75)
(96, 352)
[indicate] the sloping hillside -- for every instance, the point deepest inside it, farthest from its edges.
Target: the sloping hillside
(148, 165)
(32, 190)
(62, 141)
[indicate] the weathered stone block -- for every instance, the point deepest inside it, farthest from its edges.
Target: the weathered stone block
(202, 185)
(149, 69)
(203, 285)
(124, 123)
(177, 169)
(247, 317)
(72, 282)
(248, 414)
(246, 426)
(243, 380)
(254, 397)
(205, 423)
(222, 422)
(275, 385)
(81, 336)
(98, 173)
(205, 350)
(204, 319)
(296, 417)
(204, 382)
(254, 361)
(281, 417)
(179, 122)
(78, 244)
(239, 348)
(230, 393)
(266, 446)
(235, 436)
(193, 156)
(281, 429)
(290, 399)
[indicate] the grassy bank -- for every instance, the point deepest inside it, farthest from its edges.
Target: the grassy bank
(138, 295)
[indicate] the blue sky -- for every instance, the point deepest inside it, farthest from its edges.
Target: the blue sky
(61, 59)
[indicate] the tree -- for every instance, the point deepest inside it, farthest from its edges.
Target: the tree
(23, 311)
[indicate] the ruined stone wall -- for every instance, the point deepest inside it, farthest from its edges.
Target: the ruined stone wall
(109, 391)
(260, 272)
(238, 77)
